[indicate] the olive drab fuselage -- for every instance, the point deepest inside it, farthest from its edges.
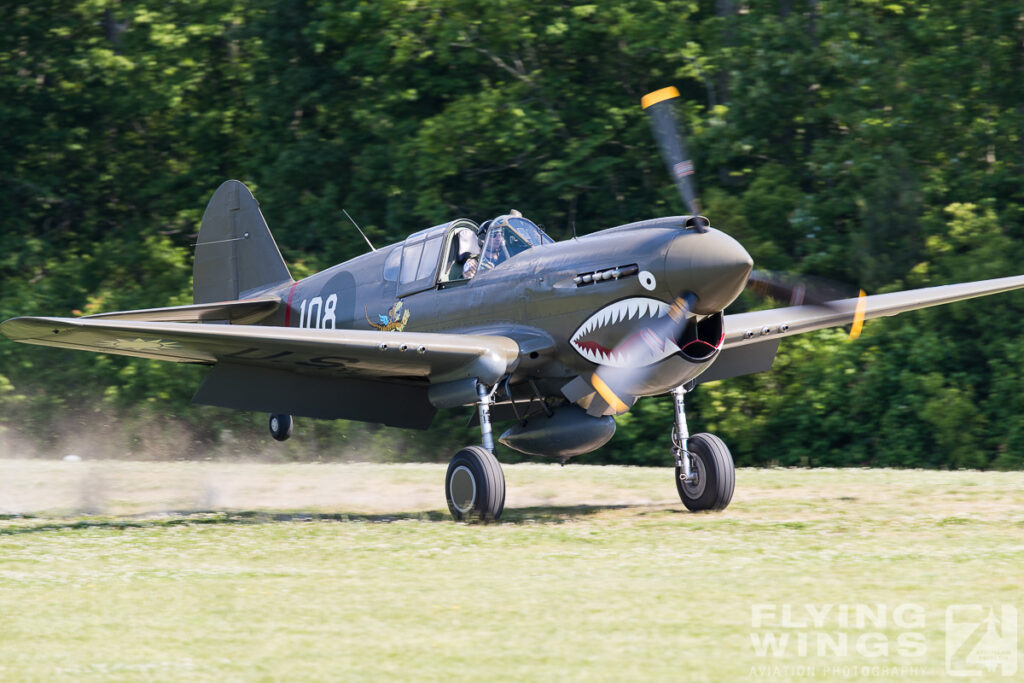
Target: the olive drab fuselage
(539, 297)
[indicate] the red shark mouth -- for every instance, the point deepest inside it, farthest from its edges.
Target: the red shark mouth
(628, 319)
(592, 347)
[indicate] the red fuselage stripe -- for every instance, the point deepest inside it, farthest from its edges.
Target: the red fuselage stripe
(288, 310)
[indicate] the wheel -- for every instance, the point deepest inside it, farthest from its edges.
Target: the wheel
(475, 485)
(716, 475)
(281, 427)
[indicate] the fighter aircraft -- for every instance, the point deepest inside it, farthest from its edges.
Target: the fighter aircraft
(557, 337)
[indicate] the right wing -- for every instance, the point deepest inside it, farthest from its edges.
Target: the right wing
(372, 376)
(368, 353)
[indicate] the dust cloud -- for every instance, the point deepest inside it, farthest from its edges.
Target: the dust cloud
(117, 487)
(106, 468)
(136, 469)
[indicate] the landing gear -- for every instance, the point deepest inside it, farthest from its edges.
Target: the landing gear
(712, 475)
(475, 485)
(280, 427)
(705, 474)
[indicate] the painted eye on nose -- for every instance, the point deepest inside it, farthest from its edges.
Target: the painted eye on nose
(647, 280)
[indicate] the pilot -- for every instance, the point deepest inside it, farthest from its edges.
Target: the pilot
(494, 245)
(465, 255)
(493, 253)
(481, 232)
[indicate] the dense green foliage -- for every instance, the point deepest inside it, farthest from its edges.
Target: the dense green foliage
(876, 142)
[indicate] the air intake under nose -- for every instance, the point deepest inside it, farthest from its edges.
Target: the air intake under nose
(712, 265)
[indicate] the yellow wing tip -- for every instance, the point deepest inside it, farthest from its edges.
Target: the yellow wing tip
(661, 95)
(858, 315)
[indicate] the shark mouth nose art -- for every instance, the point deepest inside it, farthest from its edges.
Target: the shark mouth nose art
(599, 339)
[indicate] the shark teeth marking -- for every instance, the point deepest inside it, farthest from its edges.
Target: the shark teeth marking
(635, 310)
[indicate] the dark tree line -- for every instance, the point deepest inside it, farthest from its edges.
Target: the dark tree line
(880, 143)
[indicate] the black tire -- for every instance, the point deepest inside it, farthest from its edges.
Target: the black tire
(475, 485)
(280, 427)
(716, 475)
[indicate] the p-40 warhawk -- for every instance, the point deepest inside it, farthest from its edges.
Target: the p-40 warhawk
(558, 337)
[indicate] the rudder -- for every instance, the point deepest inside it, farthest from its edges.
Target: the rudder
(236, 255)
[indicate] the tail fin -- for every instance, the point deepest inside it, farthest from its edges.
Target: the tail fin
(236, 255)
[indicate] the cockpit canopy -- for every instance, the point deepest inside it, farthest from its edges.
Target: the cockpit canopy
(510, 235)
(450, 253)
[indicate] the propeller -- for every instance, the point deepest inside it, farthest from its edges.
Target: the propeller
(803, 291)
(638, 355)
(658, 106)
(809, 291)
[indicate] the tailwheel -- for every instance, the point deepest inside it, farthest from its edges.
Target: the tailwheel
(712, 474)
(280, 427)
(475, 485)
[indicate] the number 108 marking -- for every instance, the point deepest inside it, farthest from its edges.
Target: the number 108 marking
(317, 314)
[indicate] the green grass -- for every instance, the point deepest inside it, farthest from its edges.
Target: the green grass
(594, 573)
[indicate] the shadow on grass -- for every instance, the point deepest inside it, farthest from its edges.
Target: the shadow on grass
(29, 524)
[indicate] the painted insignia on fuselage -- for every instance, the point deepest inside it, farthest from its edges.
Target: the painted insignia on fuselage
(394, 321)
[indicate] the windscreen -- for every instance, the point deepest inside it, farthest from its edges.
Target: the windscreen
(508, 236)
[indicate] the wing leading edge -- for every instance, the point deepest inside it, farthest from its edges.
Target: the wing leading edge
(366, 354)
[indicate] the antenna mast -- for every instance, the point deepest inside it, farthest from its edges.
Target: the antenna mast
(372, 248)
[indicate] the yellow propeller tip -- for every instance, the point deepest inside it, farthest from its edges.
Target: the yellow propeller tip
(653, 98)
(608, 395)
(858, 315)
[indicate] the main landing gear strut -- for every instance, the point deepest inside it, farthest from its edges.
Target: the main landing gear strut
(705, 474)
(474, 484)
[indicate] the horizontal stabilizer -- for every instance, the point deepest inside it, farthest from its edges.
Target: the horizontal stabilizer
(238, 312)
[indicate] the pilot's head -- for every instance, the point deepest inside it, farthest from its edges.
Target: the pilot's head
(481, 232)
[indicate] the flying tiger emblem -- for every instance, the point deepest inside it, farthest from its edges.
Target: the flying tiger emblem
(394, 321)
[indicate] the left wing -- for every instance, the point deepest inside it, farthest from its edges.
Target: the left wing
(759, 326)
(752, 339)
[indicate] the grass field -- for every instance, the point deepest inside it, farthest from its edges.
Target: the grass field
(215, 571)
